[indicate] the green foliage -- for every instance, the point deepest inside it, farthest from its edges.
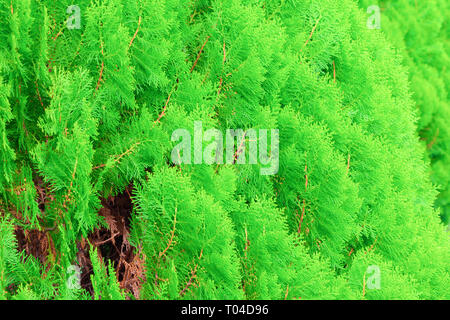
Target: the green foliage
(104, 279)
(421, 36)
(190, 236)
(87, 115)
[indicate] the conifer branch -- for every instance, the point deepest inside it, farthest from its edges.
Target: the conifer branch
(39, 95)
(135, 34)
(239, 149)
(61, 30)
(49, 154)
(223, 67)
(71, 184)
(193, 276)
(200, 53)
(101, 71)
(312, 32)
(99, 78)
(107, 240)
(119, 157)
(372, 246)
(171, 236)
(163, 113)
(247, 243)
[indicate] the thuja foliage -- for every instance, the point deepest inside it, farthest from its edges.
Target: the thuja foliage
(420, 31)
(86, 122)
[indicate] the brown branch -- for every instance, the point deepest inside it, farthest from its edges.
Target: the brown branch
(135, 34)
(107, 240)
(171, 236)
(193, 276)
(247, 244)
(301, 218)
(99, 78)
(199, 54)
(101, 70)
(238, 151)
(163, 113)
(61, 30)
(57, 35)
(128, 151)
(220, 87)
(223, 66)
(312, 32)
(99, 166)
(372, 246)
(121, 155)
(71, 184)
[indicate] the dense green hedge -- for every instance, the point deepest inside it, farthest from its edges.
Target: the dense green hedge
(420, 32)
(87, 117)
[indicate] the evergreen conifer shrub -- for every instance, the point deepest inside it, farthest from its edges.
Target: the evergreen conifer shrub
(95, 206)
(420, 31)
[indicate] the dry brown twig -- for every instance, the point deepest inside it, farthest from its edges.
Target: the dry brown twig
(193, 276)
